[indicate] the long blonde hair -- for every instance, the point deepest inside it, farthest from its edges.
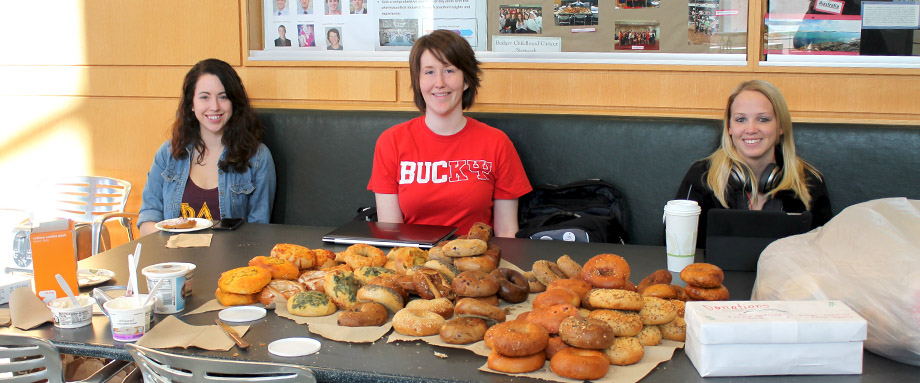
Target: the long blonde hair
(723, 159)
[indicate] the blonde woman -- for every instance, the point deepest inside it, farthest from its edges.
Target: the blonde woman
(755, 166)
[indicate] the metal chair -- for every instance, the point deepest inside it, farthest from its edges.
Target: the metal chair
(564, 19)
(161, 367)
(34, 359)
(89, 201)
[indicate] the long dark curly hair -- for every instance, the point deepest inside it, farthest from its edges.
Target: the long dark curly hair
(243, 132)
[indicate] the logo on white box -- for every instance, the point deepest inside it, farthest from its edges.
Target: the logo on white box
(829, 6)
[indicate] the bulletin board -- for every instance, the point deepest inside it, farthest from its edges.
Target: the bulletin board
(342, 29)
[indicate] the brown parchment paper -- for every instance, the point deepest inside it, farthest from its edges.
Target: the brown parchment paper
(173, 332)
(4, 317)
(189, 240)
(617, 374)
(328, 327)
(27, 311)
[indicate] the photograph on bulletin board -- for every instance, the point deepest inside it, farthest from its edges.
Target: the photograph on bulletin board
(516, 18)
(334, 39)
(813, 34)
(637, 35)
(305, 35)
(637, 4)
(282, 40)
(304, 7)
(575, 12)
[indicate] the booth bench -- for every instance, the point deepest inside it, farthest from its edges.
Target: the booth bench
(323, 159)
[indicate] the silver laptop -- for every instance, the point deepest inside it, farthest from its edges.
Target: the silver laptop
(390, 234)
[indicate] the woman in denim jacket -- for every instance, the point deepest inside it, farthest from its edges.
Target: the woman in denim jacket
(216, 144)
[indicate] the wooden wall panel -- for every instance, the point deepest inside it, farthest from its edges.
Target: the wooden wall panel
(115, 81)
(115, 32)
(817, 96)
(325, 84)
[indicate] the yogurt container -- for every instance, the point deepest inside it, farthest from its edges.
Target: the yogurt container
(66, 315)
(129, 320)
(170, 299)
(187, 289)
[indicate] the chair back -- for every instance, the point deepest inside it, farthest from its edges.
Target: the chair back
(161, 367)
(83, 198)
(30, 360)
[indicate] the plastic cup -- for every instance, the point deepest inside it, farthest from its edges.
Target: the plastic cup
(66, 315)
(129, 320)
(681, 218)
(170, 299)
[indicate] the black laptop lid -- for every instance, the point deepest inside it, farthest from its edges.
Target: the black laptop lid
(735, 238)
(389, 234)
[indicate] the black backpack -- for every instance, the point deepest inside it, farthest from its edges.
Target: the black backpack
(583, 211)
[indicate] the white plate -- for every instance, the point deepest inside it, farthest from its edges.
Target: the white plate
(200, 223)
(291, 347)
(241, 314)
(93, 277)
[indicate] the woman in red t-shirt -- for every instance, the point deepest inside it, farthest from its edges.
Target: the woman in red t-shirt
(443, 168)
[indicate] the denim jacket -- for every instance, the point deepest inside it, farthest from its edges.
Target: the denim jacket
(247, 195)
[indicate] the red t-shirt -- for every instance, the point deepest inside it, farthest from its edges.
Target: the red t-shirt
(447, 180)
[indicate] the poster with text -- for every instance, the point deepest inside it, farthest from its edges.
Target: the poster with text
(366, 25)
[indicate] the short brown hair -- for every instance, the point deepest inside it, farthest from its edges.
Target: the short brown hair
(449, 48)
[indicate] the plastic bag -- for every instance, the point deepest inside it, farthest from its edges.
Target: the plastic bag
(868, 256)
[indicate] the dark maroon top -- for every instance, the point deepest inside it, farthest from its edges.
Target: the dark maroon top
(200, 203)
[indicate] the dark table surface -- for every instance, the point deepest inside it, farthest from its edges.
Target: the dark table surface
(379, 361)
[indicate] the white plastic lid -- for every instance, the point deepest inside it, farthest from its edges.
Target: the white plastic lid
(165, 270)
(241, 314)
(291, 347)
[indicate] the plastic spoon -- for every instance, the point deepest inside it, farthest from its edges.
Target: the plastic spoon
(152, 291)
(137, 259)
(129, 290)
(66, 287)
(137, 263)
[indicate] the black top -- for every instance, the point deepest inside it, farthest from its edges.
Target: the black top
(694, 187)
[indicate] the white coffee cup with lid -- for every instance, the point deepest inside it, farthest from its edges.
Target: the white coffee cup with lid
(681, 218)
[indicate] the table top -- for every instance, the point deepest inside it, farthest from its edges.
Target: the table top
(416, 362)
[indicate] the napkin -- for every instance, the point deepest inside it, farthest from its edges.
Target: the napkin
(189, 240)
(4, 317)
(27, 311)
(173, 332)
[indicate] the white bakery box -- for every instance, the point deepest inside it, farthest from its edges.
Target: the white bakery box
(744, 338)
(10, 282)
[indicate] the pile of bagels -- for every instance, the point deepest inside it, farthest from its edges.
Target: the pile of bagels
(587, 318)
(583, 319)
(459, 277)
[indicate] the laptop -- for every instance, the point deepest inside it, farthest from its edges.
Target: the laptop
(735, 238)
(390, 234)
